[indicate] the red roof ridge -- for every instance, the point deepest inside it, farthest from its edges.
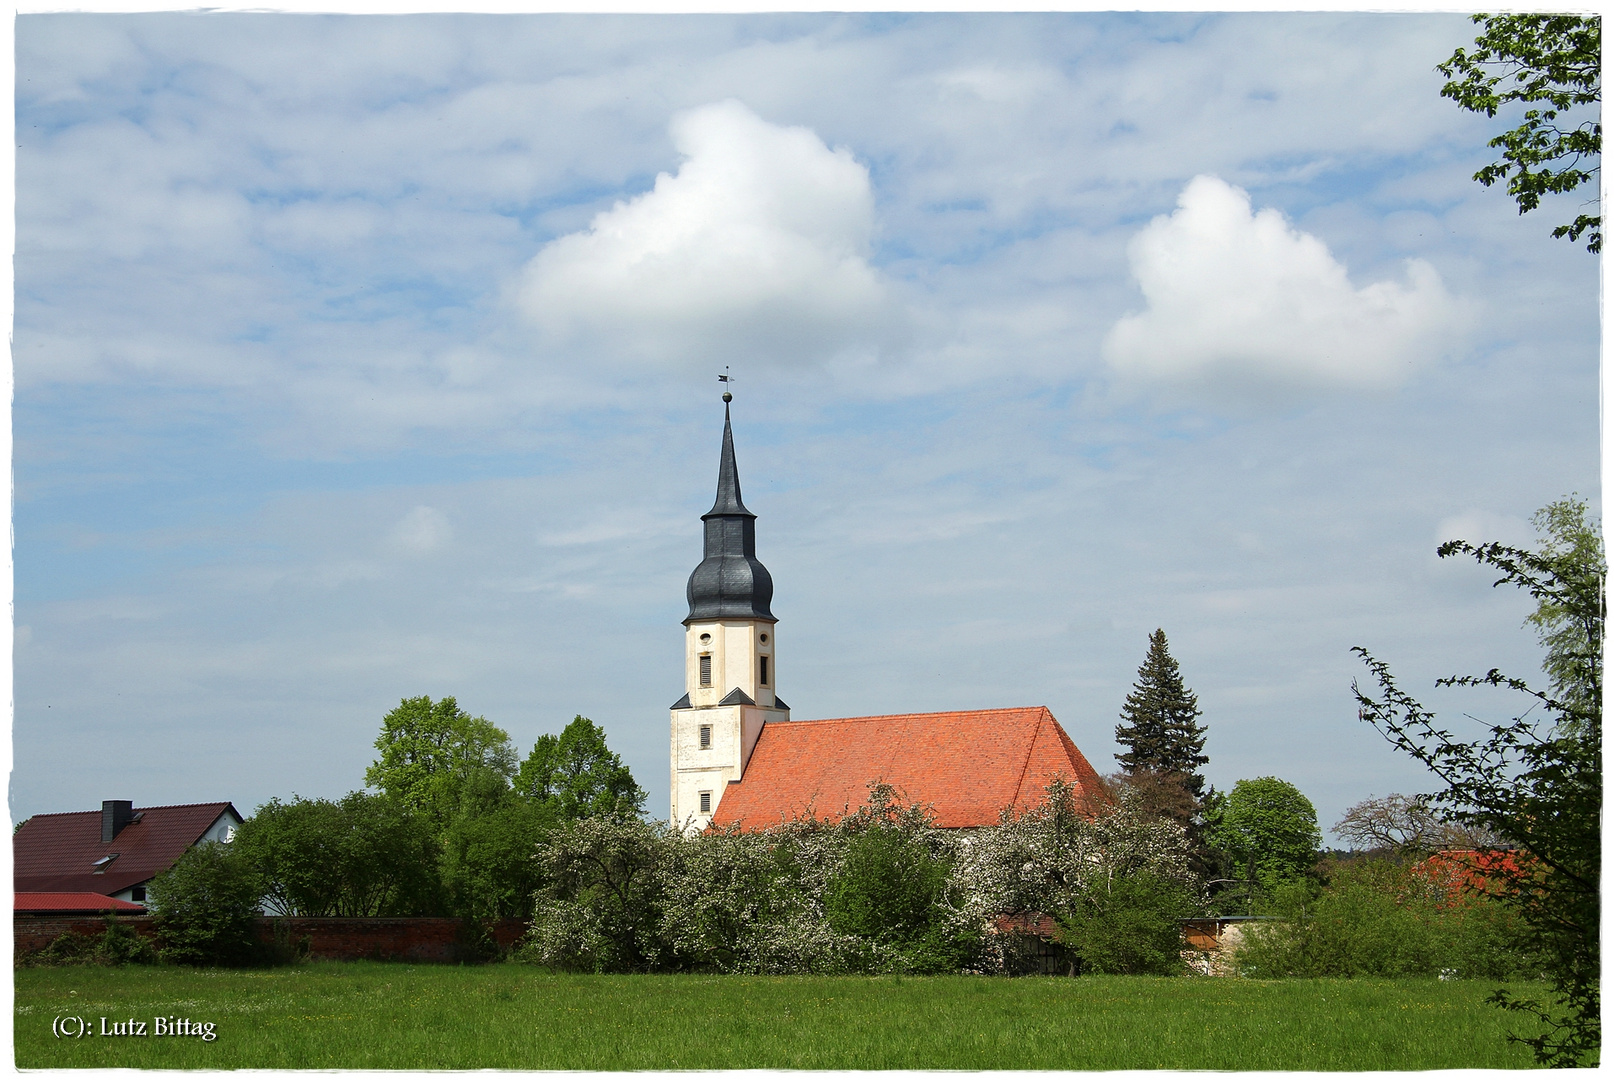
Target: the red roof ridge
(921, 715)
(138, 809)
(1025, 766)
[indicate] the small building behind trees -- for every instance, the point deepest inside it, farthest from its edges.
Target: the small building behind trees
(114, 851)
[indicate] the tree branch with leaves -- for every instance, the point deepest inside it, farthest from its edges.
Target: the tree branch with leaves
(1535, 782)
(1538, 60)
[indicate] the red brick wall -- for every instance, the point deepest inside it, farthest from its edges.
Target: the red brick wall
(30, 933)
(424, 940)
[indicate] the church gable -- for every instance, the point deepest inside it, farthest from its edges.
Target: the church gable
(966, 766)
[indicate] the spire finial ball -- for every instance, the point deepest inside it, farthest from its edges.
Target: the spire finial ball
(727, 397)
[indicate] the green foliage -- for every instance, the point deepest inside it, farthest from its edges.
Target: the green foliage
(206, 907)
(490, 861)
(1129, 925)
(365, 855)
(432, 753)
(1159, 723)
(1534, 782)
(1554, 60)
(1570, 626)
(1268, 829)
(116, 944)
(579, 774)
(893, 888)
(1381, 917)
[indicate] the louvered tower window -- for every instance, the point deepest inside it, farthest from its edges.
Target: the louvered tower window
(706, 802)
(706, 736)
(706, 669)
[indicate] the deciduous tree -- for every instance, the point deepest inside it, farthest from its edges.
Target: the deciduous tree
(1269, 829)
(430, 751)
(364, 855)
(579, 774)
(1406, 824)
(1538, 60)
(206, 907)
(1534, 781)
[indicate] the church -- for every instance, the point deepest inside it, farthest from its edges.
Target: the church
(738, 759)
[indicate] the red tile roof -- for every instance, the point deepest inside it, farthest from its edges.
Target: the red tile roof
(967, 766)
(39, 903)
(58, 852)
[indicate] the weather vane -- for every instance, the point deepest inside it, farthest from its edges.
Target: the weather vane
(726, 379)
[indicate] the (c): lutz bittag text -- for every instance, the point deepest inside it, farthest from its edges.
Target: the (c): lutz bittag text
(76, 1027)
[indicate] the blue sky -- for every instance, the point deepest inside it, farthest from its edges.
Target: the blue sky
(359, 358)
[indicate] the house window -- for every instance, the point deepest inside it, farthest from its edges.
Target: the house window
(706, 669)
(138, 894)
(706, 736)
(764, 680)
(706, 802)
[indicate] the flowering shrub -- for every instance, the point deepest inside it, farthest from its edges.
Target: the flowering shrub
(880, 889)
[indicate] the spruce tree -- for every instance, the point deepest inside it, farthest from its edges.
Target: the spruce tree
(1159, 723)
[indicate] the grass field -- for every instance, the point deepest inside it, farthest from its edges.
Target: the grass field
(370, 1015)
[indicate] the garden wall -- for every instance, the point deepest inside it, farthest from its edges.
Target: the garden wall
(444, 941)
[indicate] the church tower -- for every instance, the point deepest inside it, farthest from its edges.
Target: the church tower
(729, 652)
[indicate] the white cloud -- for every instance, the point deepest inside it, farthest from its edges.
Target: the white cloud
(1243, 297)
(756, 248)
(420, 532)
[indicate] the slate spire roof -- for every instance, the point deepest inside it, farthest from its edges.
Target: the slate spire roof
(966, 766)
(729, 583)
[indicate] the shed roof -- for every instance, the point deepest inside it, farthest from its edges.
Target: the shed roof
(966, 766)
(59, 852)
(41, 903)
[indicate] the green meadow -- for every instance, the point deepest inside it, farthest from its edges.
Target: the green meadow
(503, 1016)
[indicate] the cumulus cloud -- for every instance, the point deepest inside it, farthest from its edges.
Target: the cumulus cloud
(1245, 297)
(757, 248)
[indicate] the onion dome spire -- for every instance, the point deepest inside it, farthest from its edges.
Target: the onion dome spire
(729, 583)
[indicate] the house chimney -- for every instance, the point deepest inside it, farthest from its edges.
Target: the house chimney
(115, 814)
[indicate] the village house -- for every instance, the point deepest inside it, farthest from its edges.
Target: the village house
(63, 862)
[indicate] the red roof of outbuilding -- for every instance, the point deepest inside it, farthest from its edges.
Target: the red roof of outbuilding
(41, 902)
(966, 766)
(58, 852)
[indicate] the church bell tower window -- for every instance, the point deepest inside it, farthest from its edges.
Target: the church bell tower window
(706, 736)
(706, 669)
(706, 802)
(764, 672)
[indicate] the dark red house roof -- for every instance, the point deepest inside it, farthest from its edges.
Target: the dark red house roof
(59, 852)
(50, 903)
(966, 766)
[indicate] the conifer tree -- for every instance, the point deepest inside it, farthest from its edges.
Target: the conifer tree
(1159, 723)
